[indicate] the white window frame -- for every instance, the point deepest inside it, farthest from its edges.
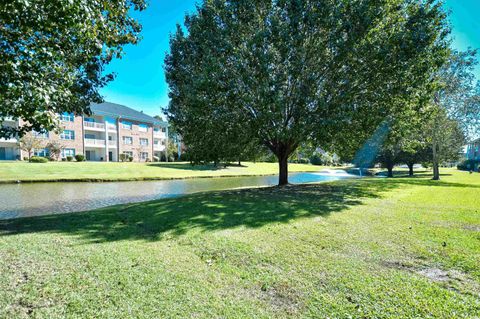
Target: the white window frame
(70, 136)
(143, 141)
(71, 152)
(125, 138)
(44, 135)
(143, 155)
(127, 125)
(67, 117)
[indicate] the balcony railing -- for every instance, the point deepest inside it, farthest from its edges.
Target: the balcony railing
(112, 143)
(8, 140)
(94, 125)
(94, 142)
(158, 147)
(159, 134)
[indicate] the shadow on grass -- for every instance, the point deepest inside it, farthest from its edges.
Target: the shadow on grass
(204, 212)
(187, 166)
(249, 208)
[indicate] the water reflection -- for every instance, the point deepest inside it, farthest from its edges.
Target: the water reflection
(21, 200)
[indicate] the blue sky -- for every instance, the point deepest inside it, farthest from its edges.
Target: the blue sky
(140, 81)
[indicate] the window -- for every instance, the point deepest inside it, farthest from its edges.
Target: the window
(43, 152)
(126, 125)
(90, 136)
(144, 141)
(128, 140)
(129, 154)
(143, 127)
(67, 135)
(164, 129)
(68, 152)
(163, 142)
(143, 155)
(40, 134)
(67, 117)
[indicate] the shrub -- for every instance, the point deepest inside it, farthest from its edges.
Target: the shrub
(130, 158)
(25, 158)
(123, 157)
(69, 158)
(316, 160)
(469, 165)
(64, 159)
(38, 159)
(79, 157)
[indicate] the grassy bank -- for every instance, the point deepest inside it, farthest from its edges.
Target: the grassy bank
(98, 171)
(372, 248)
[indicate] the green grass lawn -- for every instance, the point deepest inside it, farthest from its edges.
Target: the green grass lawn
(370, 248)
(101, 171)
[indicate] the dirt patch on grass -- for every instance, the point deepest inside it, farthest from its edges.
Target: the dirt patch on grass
(281, 297)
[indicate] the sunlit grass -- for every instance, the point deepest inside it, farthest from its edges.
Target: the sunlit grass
(371, 248)
(98, 171)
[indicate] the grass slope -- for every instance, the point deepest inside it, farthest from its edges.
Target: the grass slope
(101, 171)
(372, 248)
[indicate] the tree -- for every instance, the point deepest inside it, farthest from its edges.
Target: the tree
(55, 149)
(455, 107)
(29, 143)
(289, 72)
(53, 55)
(447, 140)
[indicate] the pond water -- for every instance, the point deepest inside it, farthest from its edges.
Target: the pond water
(35, 199)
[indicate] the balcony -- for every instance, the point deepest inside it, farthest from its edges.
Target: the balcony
(99, 126)
(94, 142)
(94, 125)
(112, 144)
(159, 134)
(8, 140)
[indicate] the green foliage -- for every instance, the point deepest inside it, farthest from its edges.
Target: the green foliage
(281, 73)
(55, 148)
(69, 158)
(79, 157)
(315, 159)
(130, 158)
(29, 143)
(38, 159)
(54, 54)
(469, 165)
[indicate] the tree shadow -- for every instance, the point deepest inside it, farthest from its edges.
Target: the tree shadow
(250, 208)
(187, 166)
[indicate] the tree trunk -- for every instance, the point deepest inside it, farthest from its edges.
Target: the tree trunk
(410, 169)
(436, 170)
(283, 170)
(282, 151)
(239, 163)
(390, 170)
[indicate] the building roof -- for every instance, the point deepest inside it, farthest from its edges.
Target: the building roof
(124, 112)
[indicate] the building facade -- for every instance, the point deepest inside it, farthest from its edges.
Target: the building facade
(473, 150)
(110, 131)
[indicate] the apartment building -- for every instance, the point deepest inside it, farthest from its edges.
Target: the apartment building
(111, 130)
(473, 150)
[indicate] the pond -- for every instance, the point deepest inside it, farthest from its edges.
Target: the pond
(35, 199)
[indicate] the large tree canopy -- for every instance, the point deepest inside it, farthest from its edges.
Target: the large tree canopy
(329, 71)
(53, 54)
